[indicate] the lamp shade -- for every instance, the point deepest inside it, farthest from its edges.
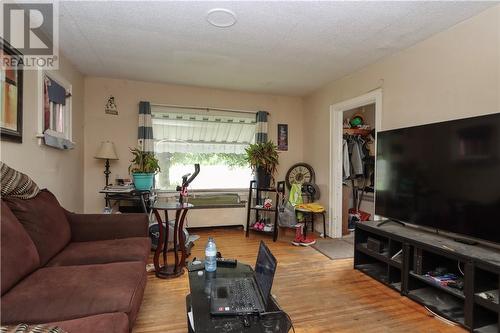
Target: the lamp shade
(107, 151)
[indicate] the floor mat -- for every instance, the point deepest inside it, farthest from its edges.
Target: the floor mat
(338, 248)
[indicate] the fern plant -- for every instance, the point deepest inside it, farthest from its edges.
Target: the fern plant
(143, 162)
(263, 156)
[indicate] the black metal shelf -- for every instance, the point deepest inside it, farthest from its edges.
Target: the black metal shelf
(262, 231)
(263, 209)
(255, 198)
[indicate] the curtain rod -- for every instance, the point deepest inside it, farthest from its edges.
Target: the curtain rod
(208, 109)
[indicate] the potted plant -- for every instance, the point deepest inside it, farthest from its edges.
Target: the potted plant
(143, 168)
(263, 159)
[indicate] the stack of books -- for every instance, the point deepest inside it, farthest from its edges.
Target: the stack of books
(118, 188)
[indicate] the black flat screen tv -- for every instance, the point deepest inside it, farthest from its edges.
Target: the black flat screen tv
(443, 176)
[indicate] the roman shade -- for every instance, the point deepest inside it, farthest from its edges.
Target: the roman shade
(185, 130)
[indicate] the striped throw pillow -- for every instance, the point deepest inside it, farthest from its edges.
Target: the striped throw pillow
(25, 328)
(16, 184)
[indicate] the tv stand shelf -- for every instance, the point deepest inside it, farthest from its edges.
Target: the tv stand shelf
(475, 306)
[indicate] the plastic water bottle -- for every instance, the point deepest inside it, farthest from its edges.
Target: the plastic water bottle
(210, 256)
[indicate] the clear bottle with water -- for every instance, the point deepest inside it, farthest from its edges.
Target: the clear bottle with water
(210, 256)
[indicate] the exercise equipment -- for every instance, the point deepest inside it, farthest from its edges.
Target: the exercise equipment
(154, 232)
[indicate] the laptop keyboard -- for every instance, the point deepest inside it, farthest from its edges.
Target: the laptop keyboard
(243, 296)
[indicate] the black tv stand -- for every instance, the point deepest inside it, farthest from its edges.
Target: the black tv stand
(389, 221)
(407, 254)
(465, 241)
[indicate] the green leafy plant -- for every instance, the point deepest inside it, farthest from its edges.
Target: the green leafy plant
(143, 162)
(263, 155)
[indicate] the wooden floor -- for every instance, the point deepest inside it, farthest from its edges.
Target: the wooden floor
(319, 294)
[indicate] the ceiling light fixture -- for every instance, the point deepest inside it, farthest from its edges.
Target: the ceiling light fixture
(221, 17)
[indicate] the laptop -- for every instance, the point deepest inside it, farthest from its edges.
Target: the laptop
(248, 295)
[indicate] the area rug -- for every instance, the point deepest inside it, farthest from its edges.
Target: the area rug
(335, 248)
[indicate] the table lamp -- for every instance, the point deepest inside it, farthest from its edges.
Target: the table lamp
(106, 152)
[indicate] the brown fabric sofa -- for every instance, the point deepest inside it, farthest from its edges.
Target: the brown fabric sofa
(81, 272)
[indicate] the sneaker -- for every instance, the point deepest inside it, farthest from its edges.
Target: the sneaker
(307, 241)
(298, 234)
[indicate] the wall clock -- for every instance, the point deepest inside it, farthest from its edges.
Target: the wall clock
(299, 173)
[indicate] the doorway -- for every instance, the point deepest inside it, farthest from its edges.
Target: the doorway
(351, 190)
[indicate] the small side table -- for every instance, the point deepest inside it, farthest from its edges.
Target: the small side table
(311, 215)
(132, 195)
(166, 271)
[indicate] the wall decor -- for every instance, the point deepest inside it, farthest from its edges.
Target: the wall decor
(11, 96)
(111, 107)
(283, 137)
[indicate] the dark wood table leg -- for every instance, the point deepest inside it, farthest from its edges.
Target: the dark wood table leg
(182, 239)
(167, 231)
(159, 246)
(176, 236)
(171, 271)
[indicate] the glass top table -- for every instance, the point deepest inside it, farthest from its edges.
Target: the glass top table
(164, 270)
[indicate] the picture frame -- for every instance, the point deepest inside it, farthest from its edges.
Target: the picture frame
(283, 137)
(11, 97)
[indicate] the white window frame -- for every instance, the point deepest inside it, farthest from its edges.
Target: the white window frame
(68, 120)
(198, 111)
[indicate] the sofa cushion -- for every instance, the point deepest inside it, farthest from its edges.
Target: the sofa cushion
(19, 256)
(103, 323)
(67, 292)
(45, 221)
(103, 252)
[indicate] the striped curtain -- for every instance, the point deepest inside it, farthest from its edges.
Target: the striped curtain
(261, 130)
(145, 137)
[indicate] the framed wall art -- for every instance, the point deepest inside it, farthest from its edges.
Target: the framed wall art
(283, 137)
(11, 96)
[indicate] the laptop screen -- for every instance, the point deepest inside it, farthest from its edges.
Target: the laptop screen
(265, 267)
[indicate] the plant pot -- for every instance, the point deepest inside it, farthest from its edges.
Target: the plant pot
(263, 178)
(143, 181)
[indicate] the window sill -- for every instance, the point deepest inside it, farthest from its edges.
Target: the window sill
(40, 139)
(215, 190)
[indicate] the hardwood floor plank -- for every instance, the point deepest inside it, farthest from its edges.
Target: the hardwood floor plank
(319, 294)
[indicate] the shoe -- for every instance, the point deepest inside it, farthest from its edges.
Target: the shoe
(298, 235)
(307, 241)
(297, 241)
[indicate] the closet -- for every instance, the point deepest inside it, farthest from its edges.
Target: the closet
(358, 166)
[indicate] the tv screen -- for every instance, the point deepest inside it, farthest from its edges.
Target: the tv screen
(444, 176)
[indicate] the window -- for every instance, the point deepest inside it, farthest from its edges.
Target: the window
(56, 107)
(215, 140)
(54, 110)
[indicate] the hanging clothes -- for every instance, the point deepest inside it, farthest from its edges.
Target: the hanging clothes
(346, 165)
(356, 155)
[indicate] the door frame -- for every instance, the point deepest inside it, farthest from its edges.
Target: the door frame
(336, 126)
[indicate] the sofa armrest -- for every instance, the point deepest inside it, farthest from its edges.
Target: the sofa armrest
(93, 227)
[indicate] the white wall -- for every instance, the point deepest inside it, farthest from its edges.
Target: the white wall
(59, 171)
(122, 129)
(453, 74)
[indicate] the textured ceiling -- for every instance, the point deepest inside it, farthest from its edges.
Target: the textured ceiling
(287, 48)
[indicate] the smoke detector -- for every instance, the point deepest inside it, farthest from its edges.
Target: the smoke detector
(221, 17)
